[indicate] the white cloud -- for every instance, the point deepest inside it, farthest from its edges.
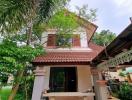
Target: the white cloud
(124, 7)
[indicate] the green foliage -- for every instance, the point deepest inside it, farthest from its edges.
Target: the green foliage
(65, 23)
(104, 38)
(14, 58)
(47, 7)
(12, 14)
(86, 13)
(38, 29)
(5, 92)
(3, 78)
(64, 40)
(63, 20)
(122, 74)
(16, 14)
(19, 37)
(125, 92)
(25, 88)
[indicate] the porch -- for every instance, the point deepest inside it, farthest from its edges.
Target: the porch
(83, 87)
(72, 83)
(67, 75)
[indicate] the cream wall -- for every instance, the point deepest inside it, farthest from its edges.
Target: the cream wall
(84, 78)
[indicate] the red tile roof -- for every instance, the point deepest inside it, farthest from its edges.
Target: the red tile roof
(59, 57)
(95, 47)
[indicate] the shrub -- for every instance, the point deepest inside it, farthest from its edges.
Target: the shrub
(125, 92)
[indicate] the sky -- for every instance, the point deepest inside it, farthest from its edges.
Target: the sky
(111, 14)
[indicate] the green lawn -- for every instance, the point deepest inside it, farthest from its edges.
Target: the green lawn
(4, 93)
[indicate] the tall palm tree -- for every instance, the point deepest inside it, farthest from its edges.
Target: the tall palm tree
(18, 14)
(15, 14)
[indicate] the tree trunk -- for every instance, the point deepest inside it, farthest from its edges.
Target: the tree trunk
(29, 35)
(16, 86)
(26, 92)
(20, 73)
(29, 32)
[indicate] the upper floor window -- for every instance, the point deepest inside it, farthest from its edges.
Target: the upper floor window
(63, 40)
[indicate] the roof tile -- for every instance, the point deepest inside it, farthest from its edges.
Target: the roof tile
(70, 56)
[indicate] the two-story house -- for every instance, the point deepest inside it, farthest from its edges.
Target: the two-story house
(66, 71)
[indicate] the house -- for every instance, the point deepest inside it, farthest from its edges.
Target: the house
(66, 71)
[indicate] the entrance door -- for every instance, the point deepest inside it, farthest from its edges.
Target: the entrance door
(63, 79)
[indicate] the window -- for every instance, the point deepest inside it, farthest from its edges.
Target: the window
(63, 40)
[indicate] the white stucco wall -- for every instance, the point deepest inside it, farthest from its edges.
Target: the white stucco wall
(84, 43)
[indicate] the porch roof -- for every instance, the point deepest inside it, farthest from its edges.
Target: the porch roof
(69, 57)
(121, 42)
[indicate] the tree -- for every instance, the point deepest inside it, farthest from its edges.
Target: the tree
(23, 14)
(65, 22)
(15, 15)
(86, 13)
(15, 60)
(104, 38)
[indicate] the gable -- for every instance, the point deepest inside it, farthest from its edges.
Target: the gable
(89, 27)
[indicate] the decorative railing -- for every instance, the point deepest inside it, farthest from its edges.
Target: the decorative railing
(117, 60)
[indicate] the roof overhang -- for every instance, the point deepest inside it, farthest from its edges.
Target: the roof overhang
(60, 63)
(117, 46)
(69, 57)
(64, 58)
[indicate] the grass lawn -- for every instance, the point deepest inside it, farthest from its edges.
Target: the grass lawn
(4, 93)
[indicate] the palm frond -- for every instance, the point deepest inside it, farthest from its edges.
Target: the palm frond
(14, 14)
(48, 7)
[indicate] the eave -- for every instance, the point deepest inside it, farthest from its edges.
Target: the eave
(122, 42)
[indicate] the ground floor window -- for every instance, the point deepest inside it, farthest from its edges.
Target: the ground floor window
(63, 79)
